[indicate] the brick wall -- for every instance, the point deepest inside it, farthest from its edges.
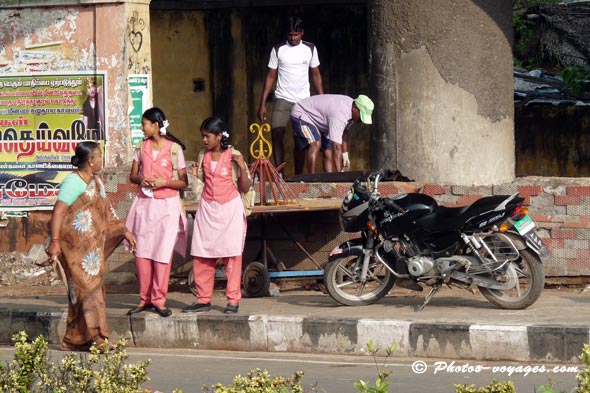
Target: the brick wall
(559, 206)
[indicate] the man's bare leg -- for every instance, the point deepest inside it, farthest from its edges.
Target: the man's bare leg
(278, 148)
(312, 154)
(328, 161)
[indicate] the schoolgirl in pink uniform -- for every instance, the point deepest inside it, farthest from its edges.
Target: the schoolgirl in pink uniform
(219, 230)
(157, 218)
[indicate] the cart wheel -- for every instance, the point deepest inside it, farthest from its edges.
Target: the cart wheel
(256, 280)
(191, 282)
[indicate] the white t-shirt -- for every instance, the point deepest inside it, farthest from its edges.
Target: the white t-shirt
(293, 64)
(330, 113)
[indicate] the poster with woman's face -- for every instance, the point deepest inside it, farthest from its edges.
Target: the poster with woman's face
(42, 119)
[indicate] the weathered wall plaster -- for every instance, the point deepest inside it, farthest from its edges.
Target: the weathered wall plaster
(431, 55)
(442, 136)
(70, 39)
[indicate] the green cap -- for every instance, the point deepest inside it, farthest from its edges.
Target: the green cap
(366, 107)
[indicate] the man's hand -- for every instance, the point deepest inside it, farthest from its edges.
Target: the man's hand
(262, 113)
(345, 162)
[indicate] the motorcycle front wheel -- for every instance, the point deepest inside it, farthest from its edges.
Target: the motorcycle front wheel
(529, 276)
(342, 281)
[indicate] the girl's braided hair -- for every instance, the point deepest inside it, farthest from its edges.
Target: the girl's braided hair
(156, 115)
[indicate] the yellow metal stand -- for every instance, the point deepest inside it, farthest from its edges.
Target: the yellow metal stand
(260, 151)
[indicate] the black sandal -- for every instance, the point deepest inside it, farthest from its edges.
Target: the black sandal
(164, 312)
(139, 309)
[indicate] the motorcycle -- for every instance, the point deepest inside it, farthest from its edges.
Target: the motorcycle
(411, 240)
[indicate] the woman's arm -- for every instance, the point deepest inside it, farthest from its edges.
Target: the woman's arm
(59, 212)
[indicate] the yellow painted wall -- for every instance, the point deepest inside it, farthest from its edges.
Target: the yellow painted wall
(180, 53)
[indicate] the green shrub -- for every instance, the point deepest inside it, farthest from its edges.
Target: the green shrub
(381, 385)
(583, 376)
(260, 381)
(493, 387)
(577, 77)
(31, 371)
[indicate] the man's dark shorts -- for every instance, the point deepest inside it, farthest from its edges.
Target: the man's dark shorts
(306, 133)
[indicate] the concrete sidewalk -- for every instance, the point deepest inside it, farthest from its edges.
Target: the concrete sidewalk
(456, 324)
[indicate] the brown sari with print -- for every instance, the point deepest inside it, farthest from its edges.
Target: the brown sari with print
(90, 232)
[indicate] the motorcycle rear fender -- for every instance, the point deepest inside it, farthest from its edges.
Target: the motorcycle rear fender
(350, 247)
(521, 244)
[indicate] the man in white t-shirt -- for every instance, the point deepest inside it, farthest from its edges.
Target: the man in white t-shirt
(289, 66)
(323, 123)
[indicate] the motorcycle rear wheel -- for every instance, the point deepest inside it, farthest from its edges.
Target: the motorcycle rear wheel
(341, 279)
(530, 281)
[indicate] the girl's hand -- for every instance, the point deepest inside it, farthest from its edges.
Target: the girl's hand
(147, 183)
(194, 169)
(159, 182)
(131, 240)
(239, 159)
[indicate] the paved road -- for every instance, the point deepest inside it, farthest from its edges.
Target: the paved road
(456, 324)
(191, 369)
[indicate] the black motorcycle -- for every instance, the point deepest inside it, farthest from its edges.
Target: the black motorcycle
(410, 240)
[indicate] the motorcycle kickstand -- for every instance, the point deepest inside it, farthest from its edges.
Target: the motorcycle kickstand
(433, 290)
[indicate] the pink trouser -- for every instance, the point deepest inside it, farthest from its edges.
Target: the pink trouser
(153, 281)
(204, 273)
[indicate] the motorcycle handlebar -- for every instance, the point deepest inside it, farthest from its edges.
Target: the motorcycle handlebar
(373, 180)
(392, 205)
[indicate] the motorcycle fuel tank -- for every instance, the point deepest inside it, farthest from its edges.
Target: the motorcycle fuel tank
(415, 205)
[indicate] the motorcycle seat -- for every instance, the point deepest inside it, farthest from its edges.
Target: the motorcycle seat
(454, 218)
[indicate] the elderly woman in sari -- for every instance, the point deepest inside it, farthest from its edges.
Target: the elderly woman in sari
(84, 230)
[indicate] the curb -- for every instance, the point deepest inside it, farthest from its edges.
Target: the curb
(278, 333)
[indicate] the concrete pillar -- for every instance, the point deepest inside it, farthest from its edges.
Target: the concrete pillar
(441, 77)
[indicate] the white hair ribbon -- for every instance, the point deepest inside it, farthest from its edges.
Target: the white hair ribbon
(225, 134)
(163, 128)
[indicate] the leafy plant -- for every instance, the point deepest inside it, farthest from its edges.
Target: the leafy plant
(577, 77)
(493, 387)
(583, 376)
(381, 385)
(260, 381)
(526, 35)
(32, 371)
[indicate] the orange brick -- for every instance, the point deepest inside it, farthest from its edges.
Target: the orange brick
(541, 218)
(576, 224)
(558, 233)
(579, 263)
(340, 190)
(578, 190)
(467, 200)
(434, 189)
(563, 200)
(525, 191)
(388, 189)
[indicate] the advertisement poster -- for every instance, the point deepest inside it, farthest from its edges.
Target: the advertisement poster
(138, 89)
(43, 117)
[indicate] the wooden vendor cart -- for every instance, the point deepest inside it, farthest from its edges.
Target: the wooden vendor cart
(258, 273)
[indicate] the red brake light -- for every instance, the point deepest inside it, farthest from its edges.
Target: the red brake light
(516, 210)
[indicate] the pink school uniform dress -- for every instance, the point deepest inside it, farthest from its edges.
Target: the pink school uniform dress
(220, 224)
(158, 222)
(219, 230)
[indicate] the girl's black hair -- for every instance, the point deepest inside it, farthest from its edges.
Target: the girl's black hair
(295, 24)
(215, 125)
(156, 115)
(83, 153)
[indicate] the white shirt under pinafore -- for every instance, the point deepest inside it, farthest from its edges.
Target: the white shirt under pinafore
(219, 229)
